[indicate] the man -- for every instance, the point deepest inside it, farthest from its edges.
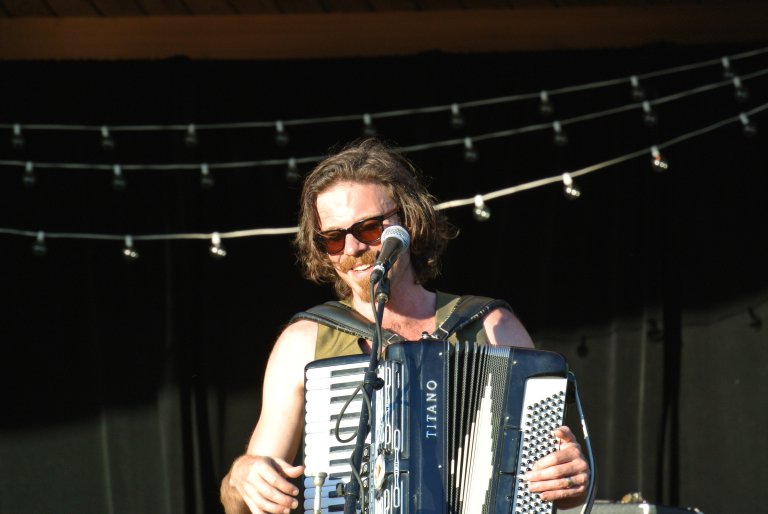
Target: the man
(347, 201)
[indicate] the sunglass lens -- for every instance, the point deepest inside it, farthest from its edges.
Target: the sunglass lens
(368, 232)
(333, 243)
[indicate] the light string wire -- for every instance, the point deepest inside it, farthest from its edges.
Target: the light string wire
(391, 113)
(406, 149)
(440, 206)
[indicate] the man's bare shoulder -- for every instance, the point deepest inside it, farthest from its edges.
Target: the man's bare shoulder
(504, 329)
(296, 341)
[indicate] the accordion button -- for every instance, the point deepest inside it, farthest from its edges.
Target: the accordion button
(379, 472)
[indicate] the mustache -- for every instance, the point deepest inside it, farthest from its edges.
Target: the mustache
(348, 262)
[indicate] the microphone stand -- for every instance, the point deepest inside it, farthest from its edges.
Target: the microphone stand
(352, 490)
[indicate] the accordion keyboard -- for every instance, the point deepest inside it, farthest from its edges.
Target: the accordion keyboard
(329, 384)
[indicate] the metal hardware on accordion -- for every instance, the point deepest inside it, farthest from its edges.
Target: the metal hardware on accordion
(452, 428)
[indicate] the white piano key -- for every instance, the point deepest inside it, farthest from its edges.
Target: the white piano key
(325, 396)
(326, 371)
(326, 415)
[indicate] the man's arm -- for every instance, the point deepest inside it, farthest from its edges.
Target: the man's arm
(259, 480)
(561, 476)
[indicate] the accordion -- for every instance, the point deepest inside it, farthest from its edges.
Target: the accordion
(452, 428)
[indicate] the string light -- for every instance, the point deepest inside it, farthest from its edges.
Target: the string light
(658, 162)
(545, 104)
(292, 173)
(206, 179)
(481, 212)
(470, 153)
(408, 149)
(441, 206)
(503, 192)
(118, 179)
(190, 137)
(407, 112)
(281, 136)
(569, 187)
(107, 142)
(638, 93)
(560, 138)
(649, 115)
(369, 130)
(130, 253)
(728, 72)
(749, 128)
(17, 138)
(29, 178)
(217, 251)
(457, 119)
(39, 248)
(741, 93)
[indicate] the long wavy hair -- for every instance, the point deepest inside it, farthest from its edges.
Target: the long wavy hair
(371, 161)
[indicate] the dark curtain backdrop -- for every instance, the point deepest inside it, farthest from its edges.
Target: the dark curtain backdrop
(131, 387)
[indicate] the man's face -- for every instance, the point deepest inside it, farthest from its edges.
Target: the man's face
(341, 206)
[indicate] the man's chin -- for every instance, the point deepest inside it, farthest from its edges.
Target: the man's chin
(363, 290)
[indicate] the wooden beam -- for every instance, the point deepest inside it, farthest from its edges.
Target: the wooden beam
(276, 36)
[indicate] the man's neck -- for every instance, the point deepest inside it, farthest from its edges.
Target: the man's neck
(409, 311)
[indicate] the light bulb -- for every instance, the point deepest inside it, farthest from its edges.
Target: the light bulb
(728, 72)
(29, 178)
(281, 136)
(292, 173)
(747, 126)
(470, 153)
(17, 138)
(190, 136)
(657, 160)
(107, 141)
(39, 247)
(457, 119)
(130, 253)
(569, 187)
(649, 115)
(545, 104)
(739, 91)
(206, 179)
(118, 179)
(217, 251)
(481, 211)
(369, 130)
(560, 138)
(638, 93)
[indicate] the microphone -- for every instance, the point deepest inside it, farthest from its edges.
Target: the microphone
(394, 241)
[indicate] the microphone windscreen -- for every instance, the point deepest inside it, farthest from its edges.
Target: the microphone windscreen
(397, 232)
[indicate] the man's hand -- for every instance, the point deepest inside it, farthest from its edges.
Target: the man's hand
(264, 485)
(561, 476)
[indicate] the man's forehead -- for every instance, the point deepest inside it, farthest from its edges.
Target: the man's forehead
(351, 201)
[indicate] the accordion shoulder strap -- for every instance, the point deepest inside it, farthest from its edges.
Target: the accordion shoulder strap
(344, 318)
(466, 311)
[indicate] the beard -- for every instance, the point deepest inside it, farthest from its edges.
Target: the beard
(348, 262)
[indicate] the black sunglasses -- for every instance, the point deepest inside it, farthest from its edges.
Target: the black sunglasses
(366, 231)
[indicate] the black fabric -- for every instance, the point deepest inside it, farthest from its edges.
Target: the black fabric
(131, 387)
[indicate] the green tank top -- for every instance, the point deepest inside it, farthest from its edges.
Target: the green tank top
(334, 343)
